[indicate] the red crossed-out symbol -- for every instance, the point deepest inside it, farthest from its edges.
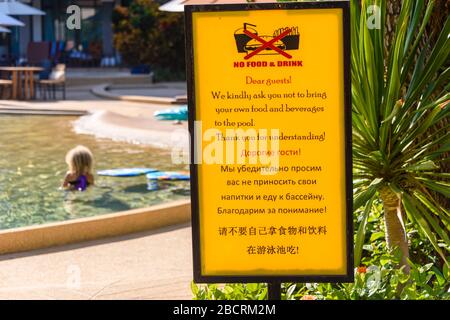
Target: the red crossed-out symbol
(268, 44)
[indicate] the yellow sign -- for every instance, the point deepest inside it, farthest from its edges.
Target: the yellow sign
(271, 176)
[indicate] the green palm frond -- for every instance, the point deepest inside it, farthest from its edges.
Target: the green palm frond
(401, 105)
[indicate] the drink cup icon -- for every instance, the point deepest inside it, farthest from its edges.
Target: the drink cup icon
(242, 39)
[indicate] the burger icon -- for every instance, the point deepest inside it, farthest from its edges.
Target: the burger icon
(253, 44)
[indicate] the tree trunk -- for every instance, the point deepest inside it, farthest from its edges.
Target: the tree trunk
(393, 8)
(395, 228)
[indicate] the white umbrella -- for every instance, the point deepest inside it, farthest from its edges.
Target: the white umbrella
(9, 21)
(17, 8)
(173, 6)
(4, 30)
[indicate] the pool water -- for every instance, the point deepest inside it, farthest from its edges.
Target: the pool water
(32, 167)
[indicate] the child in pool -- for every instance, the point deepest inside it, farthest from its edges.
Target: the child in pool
(80, 161)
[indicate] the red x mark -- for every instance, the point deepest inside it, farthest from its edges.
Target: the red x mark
(268, 44)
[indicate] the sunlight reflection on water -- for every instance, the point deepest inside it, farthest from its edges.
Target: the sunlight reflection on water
(32, 152)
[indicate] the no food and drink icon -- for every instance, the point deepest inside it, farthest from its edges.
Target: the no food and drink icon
(250, 42)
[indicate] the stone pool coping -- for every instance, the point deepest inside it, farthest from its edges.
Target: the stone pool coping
(103, 91)
(42, 112)
(92, 228)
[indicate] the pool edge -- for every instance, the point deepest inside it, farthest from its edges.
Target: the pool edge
(92, 228)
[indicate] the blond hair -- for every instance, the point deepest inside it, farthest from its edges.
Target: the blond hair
(80, 160)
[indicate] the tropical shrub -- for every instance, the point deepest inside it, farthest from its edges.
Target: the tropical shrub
(371, 283)
(144, 35)
(400, 133)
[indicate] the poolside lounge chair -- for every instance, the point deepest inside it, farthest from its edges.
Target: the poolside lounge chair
(56, 51)
(38, 52)
(46, 66)
(56, 81)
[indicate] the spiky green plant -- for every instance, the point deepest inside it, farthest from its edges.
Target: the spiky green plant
(400, 123)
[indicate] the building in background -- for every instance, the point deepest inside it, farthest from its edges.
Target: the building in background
(91, 45)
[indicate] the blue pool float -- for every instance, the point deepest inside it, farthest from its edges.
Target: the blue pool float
(154, 177)
(180, 114)
(126, 172)
(168, 175)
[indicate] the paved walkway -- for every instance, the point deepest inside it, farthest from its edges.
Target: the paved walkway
(118, 119)
(80, 98)
(150, 265)
(168, 90)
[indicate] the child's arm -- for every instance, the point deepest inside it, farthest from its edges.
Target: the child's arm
(65, 183)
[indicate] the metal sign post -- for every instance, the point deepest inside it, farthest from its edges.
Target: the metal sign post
(274, 290)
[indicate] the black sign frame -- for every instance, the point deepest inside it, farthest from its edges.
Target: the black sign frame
(198, 276)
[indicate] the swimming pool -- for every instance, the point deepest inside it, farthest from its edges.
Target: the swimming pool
(32, 166)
